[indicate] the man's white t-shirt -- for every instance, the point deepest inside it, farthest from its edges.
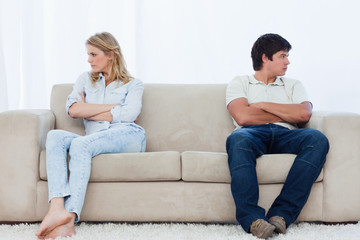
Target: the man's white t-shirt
(283, 91)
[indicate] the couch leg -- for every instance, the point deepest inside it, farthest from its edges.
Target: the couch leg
(339, 223)
(15, 223)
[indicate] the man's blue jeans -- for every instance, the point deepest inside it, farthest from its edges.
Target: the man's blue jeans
(248, 143)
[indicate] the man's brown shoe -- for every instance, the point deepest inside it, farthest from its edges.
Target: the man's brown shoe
(279, 223)
(261, 229)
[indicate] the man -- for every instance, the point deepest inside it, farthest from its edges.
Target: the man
(266, 110)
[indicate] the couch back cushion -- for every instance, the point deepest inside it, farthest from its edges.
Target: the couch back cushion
(59, 94)
(176, 117)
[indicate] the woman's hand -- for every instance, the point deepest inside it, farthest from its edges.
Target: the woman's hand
(82, 97)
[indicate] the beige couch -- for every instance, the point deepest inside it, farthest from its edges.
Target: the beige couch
(183, 176)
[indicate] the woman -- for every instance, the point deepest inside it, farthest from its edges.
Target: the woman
(109, 101)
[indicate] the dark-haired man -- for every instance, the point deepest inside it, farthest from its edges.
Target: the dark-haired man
(266, 109)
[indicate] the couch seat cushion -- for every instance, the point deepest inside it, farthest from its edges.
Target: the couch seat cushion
(148, 166)
(213, 167)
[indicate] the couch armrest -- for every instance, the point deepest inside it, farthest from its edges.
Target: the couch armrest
(22, 137)
(341, 199)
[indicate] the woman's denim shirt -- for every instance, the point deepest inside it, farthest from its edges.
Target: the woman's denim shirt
(127, 96)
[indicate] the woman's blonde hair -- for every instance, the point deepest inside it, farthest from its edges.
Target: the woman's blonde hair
(107, 43)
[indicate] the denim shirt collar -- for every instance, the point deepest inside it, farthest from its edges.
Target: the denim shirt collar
(101, 76)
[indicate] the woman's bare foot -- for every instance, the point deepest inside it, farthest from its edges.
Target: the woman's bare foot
(65, 230)
(56, 216)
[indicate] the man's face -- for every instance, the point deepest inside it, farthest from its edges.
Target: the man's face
(279, 63)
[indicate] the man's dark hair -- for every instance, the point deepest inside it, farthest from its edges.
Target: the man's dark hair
(269, 44)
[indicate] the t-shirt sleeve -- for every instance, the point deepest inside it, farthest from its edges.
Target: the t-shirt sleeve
(299, 93)
(236, 89)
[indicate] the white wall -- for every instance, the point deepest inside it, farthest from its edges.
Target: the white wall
(182, 41)
(210, 42)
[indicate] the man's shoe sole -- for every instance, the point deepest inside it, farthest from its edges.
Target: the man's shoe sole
(279, 228)
(268, 232)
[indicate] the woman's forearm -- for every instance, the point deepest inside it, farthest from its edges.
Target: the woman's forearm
(88, 110)
(105, 116)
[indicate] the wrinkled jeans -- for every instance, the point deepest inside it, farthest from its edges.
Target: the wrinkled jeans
(248, 143)
(122, 139)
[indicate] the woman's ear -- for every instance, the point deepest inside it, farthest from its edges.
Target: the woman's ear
(111, 55)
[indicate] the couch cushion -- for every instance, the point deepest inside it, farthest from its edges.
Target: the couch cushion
(213, 167)
(185, 117)
(149, 166)
(170, 115)
(59, 94)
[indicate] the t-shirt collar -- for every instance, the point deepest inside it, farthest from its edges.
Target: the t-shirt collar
(279, 81)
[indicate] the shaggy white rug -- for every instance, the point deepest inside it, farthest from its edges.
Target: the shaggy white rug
(183, 231)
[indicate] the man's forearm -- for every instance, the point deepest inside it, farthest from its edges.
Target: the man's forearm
(254, 116)
(291, 113)
(244, 114)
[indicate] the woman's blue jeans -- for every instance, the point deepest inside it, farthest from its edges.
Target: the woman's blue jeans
(248, 143)
(122, 139)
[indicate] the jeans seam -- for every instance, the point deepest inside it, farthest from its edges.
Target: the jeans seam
(309, 163)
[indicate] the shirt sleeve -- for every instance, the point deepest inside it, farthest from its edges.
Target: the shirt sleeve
(236, 89)
(131, 108)
(299, 93)
(79, 87)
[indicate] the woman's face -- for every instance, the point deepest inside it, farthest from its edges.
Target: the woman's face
(99, 61)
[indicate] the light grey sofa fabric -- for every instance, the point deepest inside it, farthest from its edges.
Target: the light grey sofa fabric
(130, 167)
(213, 167)
(183, 175)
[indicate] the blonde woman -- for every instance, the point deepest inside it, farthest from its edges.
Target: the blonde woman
(109, 100)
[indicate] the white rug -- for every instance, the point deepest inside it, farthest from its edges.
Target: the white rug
(182, 231)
